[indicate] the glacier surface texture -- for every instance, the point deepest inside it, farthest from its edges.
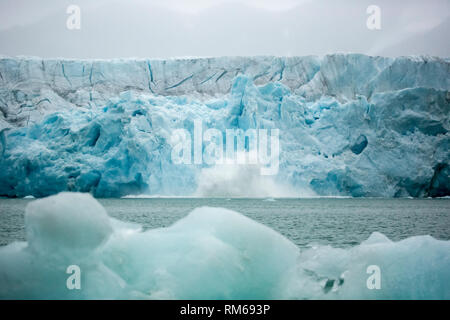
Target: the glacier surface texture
(350, 125)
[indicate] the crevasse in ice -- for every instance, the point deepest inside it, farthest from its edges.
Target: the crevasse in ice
(212, 253)
(350, 125)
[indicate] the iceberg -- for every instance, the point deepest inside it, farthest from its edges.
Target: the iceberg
(212, 253)
(350, 124)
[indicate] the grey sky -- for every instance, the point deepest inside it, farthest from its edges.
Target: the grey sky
(176, 28)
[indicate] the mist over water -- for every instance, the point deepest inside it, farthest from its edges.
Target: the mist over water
(243, 181)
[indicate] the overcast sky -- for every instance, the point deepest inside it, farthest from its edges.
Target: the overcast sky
(180, 28)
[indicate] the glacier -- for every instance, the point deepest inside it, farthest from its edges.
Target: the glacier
(212, 253)
(350, 125)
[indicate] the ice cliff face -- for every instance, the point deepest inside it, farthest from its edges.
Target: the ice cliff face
(349, 124)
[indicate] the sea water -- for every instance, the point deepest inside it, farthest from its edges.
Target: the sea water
(339, 222)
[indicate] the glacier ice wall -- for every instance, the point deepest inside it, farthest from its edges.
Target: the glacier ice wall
(350, 124)
(212, 253)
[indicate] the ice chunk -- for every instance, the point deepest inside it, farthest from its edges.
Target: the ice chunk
(69, 223)
(212, 253)
(360, 144)
(414, 268)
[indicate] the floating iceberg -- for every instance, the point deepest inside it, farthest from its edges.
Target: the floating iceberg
(350, 125)
(212, 253)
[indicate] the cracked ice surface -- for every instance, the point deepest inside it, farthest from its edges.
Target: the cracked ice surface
(232, 256)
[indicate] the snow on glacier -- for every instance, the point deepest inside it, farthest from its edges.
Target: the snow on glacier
(350, 125)
(232, 256)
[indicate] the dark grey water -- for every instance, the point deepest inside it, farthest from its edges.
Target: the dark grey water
(338, 222)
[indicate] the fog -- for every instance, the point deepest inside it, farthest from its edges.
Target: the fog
(176, 28)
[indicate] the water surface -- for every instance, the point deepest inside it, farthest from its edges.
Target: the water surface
(335, 221)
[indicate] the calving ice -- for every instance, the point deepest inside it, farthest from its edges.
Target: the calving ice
(241, 147)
